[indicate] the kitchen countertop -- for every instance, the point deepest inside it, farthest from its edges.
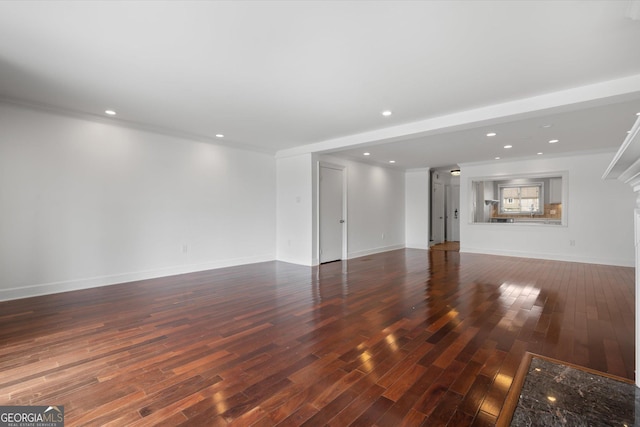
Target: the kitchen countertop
(523, 220)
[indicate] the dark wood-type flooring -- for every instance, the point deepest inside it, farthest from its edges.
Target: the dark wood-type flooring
(408, 337)
(446, 246)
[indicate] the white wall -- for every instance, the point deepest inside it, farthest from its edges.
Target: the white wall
(295, 204)
(84, 204)
(375, 207)
(417, 194)
(598, 214)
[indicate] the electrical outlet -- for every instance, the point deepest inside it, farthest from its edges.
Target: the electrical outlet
(572, 242)
(185, 248)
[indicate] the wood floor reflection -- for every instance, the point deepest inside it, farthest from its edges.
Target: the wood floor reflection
(408, 337)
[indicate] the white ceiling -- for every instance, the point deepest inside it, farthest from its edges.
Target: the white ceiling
(314, 76)
(590, 129)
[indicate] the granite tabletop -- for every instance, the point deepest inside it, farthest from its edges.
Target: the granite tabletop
(558, 395)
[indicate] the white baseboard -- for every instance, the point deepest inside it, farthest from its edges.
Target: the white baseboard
(296, 261)
(94, 282)
(366, 252)
(417, 246)
(553, 257)
(350, 255)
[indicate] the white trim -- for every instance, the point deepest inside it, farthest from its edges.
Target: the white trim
(142, 127)
(417, 246)
(345, 213)
(551, 256)
(95, 282)
(625, 165)
(345, 224)
(328, 165)
(298, 261)
(366, 252)
(417, 170)
(592, 95)
(564, 174)
(525, 158)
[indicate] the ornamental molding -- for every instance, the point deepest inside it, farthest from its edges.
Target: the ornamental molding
(625, 165)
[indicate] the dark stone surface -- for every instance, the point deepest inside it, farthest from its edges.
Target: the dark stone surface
(557, 395)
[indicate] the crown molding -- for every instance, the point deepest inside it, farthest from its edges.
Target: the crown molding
(625, 165)
(116, 121)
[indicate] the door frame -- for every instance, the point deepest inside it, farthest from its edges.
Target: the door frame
(345, 224)
(435, 214)
(450, 225)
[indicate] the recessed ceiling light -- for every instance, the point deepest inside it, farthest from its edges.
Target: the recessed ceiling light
(219, 135)
(628, 131)
(553, 141)
(638, 114)
(497, 158)
(491, 134)
(539, 153)
(110, 112)
(366, 154)
(387, 113)
(392, 161)
(508, 146)
(547, 126)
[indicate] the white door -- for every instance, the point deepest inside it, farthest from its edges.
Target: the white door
(331, 211)
(437, 213)
(455, 214)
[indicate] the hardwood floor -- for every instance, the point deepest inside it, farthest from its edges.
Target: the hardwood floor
(408, 337)
(446, 246)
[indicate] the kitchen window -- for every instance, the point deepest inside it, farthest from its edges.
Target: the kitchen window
(539, 199)
(521, 199)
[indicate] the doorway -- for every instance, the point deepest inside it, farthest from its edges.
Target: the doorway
(452, 207)
(445, 207)
(437, 213)
(331, 213)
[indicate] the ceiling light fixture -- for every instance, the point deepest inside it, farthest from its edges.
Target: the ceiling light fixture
(508, 146)
(387, 113)
(219, 135)
(455, 172)
(547, 126)
(392, 161)
(491, 134)
(553, 141)
(366, 154)
(638, 114)
(110, 112)
(497, 158)
(539, 153)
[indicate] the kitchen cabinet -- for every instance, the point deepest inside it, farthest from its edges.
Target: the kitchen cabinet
(550, 194)
(555, 190)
